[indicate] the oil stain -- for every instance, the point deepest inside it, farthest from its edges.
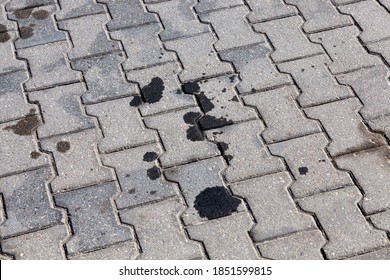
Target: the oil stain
(26, 32)
(209, 122)
(153, 192)
(63, 146)
(41, 14)
(234, 99)
(35, 155)
(4, 37)
(150, 156)
(303, 170)
(216, 202)
(153, 173)
(228, 158)
(3, 28)
(224, 146)
(23, 14)
(193, 132)
(153, 92)
(25, 126)
(205, 102)
(191, 88)
(136, 101)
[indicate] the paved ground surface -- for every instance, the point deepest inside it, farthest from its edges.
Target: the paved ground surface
(183, 129)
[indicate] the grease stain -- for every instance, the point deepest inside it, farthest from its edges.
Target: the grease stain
(193, 133)
(191, 88)
(136, 101)
(63, 146)
(153, 92)
(26, 32)
(41, 14)
(303, 170)
(35, 155)
(150, 156)
(25, 126)
(209, 122)
(153, 173)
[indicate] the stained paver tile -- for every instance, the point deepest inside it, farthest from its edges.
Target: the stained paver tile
(8, 61)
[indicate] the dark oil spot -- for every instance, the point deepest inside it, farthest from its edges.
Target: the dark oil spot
(216, 202)
(224, 90)
(3, 28)
(178, 91)
(136, 101)
(209, 122)
(191, 87)
(150, 156)
(303, 170)
(153, 173)
(25, 126)
(4, 37)
(205, 103)
(127, 175)
(153, 92)
(131, 191)
(253, 90)
(232, 78)
(120, 54)
(228, 158)
(224, 146)
(26, 32)
(41, 14)
(35, 155)
(322, 160)
(193, 132)
(217, 132)
(153, 192)
(23, 14)
(63, 146)
(191, 117)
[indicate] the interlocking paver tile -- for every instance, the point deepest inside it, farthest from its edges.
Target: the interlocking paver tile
(235, 140)
(160, 232)
(88, 36)
(310, 165)
(92, 218)
(178, 19)
(36, 26)
(315, 80)
(103, 78)
(205, 63)
(8, 62)
(305, 245)
(381, 254)
(253, 62)
(141, 50)
(269, 9)
(44, 244)
(76, 160)
(281, 114)
(382, 48)
(371, 169)
(272, 206)
(127, 13)
(77, 8)
(61, 110)
(231, 28)
(288, 39)
(226, 238)
(320, 15)
(121, 251)
(344, 49)
(348, 231)
(48, 66)
(138, 175)
(210, 5)
(345, 126)
(20, 4)
(160, 89)
(184, 143)
(381, 220)
(27, 203)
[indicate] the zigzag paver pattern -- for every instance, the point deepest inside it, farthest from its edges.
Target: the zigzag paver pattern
(194, 129)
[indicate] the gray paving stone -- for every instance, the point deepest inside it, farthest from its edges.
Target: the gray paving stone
(104, 78)
(348, 231)
(20, 4)
(281, 114)
(372, 87)
(141, 50)
(382, 48)
(178, 19)
(8, 61)
(288, 39)
(18, 148)
(231, 27)
(205, 63)
(37, 26)
(315, 80)
(320, 15)
(76, 160)
(236, 140)
(269, 9)
(12, 100)
(122, 251)
(77, 8)
(121, 125)
(226, 238)
(381, 220)
(381, 254)
(374, 27)
(92, 217)
(371, 169)
(160, 89)
(256, 70)
(310, 165)
(61, 110)
(210, 5)
(48, 66)
(127, 13)
(347, 53)
(194, 178)
(134, 168)
(185, 143)
(272, 206)
(88, 36)
(345, 126)
(305, 245)
(27, 203)
(159, 230)
(40, 245)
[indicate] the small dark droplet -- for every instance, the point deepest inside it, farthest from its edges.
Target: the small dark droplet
(131, 191)
(41, 14)
(232, 78)
(322, 160)
(303, 170)
(26, 32)
(120, 54)
(253, 90)
(178, 91)
(224, 146)
(35, 155)
(150, 156)
(127, 175)
(153, 92)
(153, 173)
(23, 14)
(136, 101)
(216, 202)
(63, 146)
(224, 90)
(4, 37)
(205, 103)
(153, 192)
(234, 99)
(25, 126)
(209, 122)
(228, 158)
(217, 132)
(302, 70)
(191, 88)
